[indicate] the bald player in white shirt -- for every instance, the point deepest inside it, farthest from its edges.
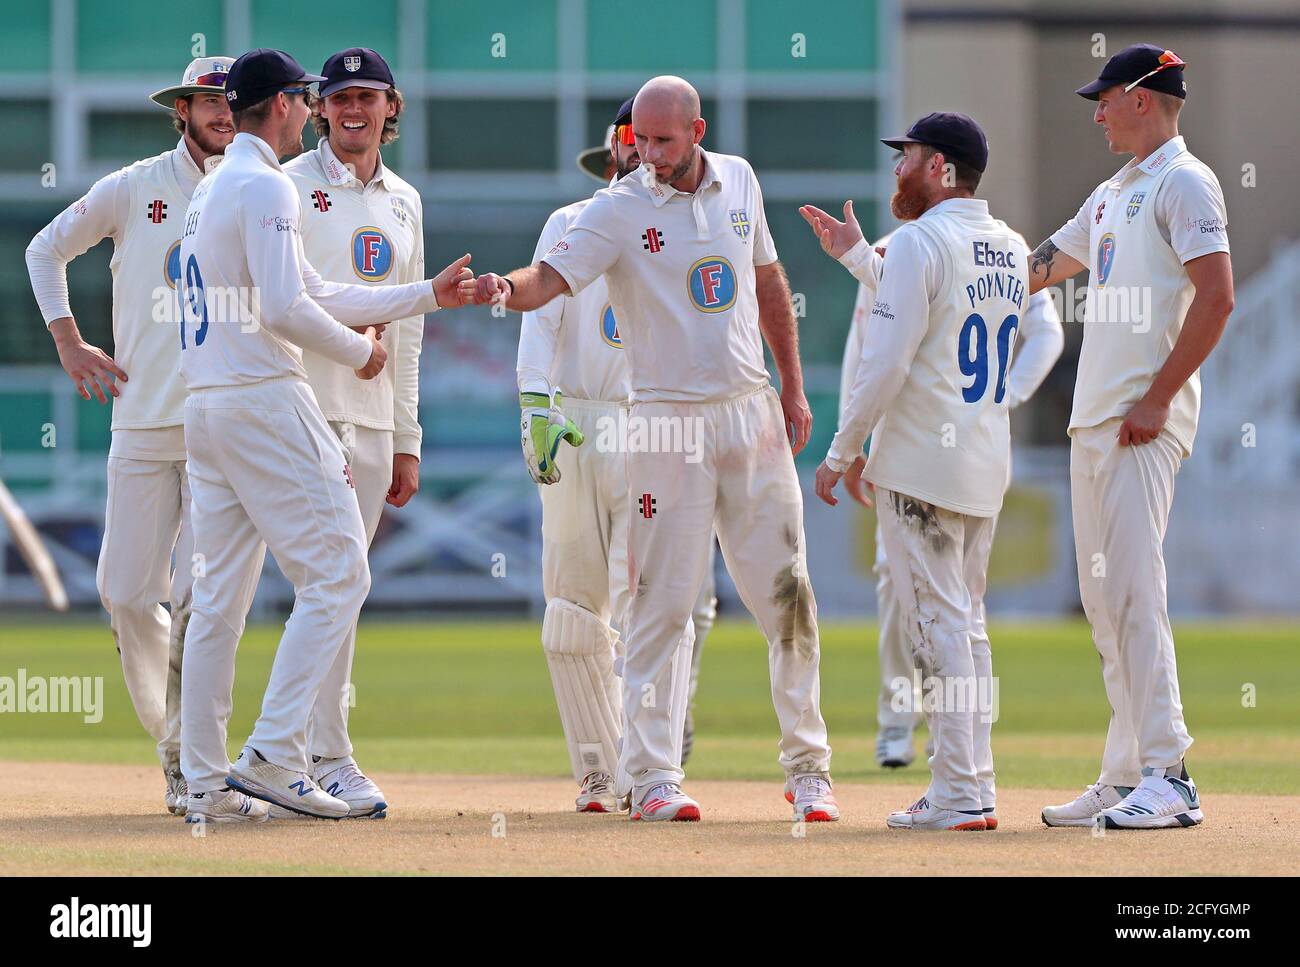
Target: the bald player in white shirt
(573, 343)
(1038, 347)
(142, 208)
(364, 225)
(931, 391)
(695, 285)
(1154, 239)
(265, 469)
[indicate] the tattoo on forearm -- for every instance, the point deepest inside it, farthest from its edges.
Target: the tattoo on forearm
(1042, 258)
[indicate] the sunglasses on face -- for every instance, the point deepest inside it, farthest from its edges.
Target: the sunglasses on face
(215, 79)
(624, 134)
(295, 90)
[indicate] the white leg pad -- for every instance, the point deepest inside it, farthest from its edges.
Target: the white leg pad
(580, 652)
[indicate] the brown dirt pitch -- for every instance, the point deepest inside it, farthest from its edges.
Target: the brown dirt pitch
(61, 818)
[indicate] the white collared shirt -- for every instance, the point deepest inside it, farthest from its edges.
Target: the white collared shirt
(1136, 232)
(370, 234)
(142, 209)
(249, 296)
(680, 269)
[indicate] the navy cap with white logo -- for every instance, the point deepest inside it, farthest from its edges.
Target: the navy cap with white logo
(956, 135)
(1141, 65)
(258, 74)
(355, 67)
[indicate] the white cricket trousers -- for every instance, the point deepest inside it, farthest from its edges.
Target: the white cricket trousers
(369, 453)
(938, 563)
(1121, 497)
(265, 471)
(146, 519)
(744, 486)
(898, 704)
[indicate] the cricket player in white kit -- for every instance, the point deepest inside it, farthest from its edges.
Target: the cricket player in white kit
(142, 208)
(695, 285)
(931, 392)
(1038, 347)
(364, 225)
(265, 469)
(573, 344)
(1154, 239)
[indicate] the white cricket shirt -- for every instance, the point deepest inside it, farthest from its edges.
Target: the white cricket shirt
(249, 296)
(1136, 232)
(680, 270)
(932, 378)
(573, 342)
(142, 209)
(369, 234)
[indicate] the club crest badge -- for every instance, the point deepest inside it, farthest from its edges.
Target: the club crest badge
(1134, 205)
(739, 223)
(352, 63)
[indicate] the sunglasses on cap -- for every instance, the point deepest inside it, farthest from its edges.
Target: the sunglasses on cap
(215, 79)
(624, 134)
(1167, 60)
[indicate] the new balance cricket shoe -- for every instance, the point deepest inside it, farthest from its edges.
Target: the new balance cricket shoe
(597, 794)
(254, 776)
(224, 806)
(1083, 810)
(177, 791)
(894, 747)
(666, 801)
(1158, 802)
(922, 815)
(812, 800)
(342, 779)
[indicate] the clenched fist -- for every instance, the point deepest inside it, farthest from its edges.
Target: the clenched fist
(378, 356)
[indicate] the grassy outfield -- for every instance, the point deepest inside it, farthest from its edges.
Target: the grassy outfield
(476, 698)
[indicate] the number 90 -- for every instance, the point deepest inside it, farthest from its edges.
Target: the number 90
(973, 356)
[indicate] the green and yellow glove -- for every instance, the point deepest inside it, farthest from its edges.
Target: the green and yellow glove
(542, 426)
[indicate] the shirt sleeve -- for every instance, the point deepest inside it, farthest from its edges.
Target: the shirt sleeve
(853, 345)
(1191, 214)
(368, 305)
(899, 321)
(864, 263)
(407, 433)
(101, 213)
(589, 248)
(764, 247)
(269, 216)
(539, 332)
(1038, 347)
(1072, 238)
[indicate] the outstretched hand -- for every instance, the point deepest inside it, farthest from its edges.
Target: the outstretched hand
(836, 236)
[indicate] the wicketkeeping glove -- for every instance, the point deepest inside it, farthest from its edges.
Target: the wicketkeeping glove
(542, 426)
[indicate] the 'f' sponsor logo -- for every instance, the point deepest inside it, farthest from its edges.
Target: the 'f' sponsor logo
(372, 254)
(711, 284)
(647, 506)
(1105, 258)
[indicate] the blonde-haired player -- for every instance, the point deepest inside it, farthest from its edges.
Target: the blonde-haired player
(142, 209)
(364, 225)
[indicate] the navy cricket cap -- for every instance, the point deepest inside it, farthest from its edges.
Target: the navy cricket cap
(624, 115)
(258, 74)
(355, 67)
(956, 135)
(1141, 65)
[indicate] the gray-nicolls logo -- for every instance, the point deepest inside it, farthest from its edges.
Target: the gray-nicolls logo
(111, 921)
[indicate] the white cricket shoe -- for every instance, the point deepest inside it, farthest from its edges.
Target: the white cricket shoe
(922, 815)
(224, 806)
(666, 801)
(810, 794)
(597, 794)
(1081, 811)
(1158, 802)
(990, 818)
(342, 779)
(254, 776)
(894, 747)
(177, 791)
